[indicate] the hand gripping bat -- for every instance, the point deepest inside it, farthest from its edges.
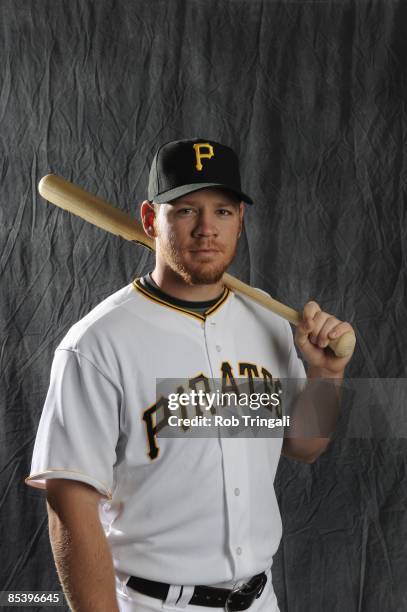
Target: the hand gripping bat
(89, 207)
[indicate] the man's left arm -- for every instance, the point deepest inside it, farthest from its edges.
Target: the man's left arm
(312, 337)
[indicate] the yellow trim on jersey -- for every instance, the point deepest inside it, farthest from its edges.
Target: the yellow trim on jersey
(196, 315)
(32, 479)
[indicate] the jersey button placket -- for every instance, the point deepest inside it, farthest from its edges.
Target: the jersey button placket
(237, 504)
(233, 469)
(210, 330)
(239, 549)
(213, 346)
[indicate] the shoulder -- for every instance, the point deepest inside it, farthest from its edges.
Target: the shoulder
(106, 320)
(261, 314)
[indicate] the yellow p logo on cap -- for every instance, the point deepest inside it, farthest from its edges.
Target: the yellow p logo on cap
(200, 155)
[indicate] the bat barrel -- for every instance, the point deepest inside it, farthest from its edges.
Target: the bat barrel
(91, 208)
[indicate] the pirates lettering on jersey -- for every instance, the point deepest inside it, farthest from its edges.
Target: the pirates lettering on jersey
(228, 380)
(272, 385)
(198, 383)
(250, 370)
(153, 427)
(156, 416)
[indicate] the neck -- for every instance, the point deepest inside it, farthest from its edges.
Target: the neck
(173, 284)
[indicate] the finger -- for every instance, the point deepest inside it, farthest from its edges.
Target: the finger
(301, 334)
(340, 329)
(310, 310)
(329, 324)
(319, 321)
(309, 313)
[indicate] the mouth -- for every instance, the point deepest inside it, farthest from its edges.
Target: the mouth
(205, 248)
(205, 251)
(203, 255)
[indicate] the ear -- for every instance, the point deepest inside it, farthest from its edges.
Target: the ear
(147, 213)
(241, 213)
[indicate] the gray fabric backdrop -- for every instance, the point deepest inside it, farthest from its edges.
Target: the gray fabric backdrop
(312, 96)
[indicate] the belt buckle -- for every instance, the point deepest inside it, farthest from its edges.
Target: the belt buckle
(257, 591)
(229, 600)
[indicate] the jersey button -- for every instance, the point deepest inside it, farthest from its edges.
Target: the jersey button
(238, 550)
(237, 491)
(218, 348)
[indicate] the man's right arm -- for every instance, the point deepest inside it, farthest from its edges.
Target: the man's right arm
(81, 552)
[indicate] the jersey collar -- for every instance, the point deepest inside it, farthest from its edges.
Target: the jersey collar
(174, 306)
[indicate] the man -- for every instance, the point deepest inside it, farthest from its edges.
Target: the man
(142, 522)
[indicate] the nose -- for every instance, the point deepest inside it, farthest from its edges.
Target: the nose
(206, 226)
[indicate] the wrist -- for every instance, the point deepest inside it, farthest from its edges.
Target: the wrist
(317, 372)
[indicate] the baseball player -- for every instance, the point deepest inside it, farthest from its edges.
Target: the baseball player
(142, 522)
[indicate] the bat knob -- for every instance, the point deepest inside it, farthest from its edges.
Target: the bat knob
(343, 346)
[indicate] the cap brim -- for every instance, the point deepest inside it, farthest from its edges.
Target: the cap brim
(177, 192)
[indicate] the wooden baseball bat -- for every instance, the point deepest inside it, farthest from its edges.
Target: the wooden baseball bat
(89, 207)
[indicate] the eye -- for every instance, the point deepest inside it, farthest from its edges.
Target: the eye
(185, 211)
(224, 212)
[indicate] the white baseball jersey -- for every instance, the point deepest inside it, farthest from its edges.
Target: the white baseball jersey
(176, 510)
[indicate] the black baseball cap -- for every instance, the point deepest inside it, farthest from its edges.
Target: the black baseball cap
(184, 166)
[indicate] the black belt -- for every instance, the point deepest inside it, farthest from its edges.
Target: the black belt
(232, 600)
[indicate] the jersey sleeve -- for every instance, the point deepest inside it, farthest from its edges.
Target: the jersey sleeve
(79, 426)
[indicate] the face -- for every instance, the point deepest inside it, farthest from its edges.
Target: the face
(197, 235)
